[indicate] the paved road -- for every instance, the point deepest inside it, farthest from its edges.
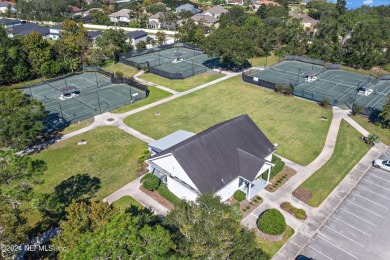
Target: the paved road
(360, 227)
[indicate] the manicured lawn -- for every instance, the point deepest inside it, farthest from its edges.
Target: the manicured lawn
(127, 71)
(126, 202)
(384, 134)
(27, 83)
(77, 126)
(363, 71)
(263, 61)
(182, 84)
(271, 248)
(293, 123)
(348, 152)
(110, 155)
(155, 94)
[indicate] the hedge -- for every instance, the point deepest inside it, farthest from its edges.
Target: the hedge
(150, 182)
(239, 195)
(272, 222)
(166, 193)
(279, 165)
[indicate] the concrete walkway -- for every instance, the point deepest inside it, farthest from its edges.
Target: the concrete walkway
(141, 72)
(132, 189)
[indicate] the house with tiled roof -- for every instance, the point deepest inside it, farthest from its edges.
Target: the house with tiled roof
(257, 4)
(306, 20)
(207, 20)
(122, 15)
(5, 5)
(216, 11)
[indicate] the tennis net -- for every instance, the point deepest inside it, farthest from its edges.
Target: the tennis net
(283, 71)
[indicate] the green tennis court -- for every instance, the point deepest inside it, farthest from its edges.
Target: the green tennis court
(340, 87)
(175, 62)
(90, 94)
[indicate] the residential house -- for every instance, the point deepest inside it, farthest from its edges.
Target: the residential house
(236, 2)
(154, 21)
(7, 23)
(188, 7)
(120, 16)
(5, 5)
(42, 30)
(93, 35)
(216, 11)
(55, 32)
(75, 11)
(207, 20)
(22, 29)
(257, 4)
(88, 12)
(88, 2)
(306, 21)
(230, 156)
(136, 36)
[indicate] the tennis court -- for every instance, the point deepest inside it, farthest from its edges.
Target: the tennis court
(339, 86)
(93, 94)
(174, 63)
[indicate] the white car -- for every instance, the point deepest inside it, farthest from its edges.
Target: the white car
(385, 165)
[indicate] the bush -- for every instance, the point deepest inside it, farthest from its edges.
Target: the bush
(272, 222)
(278, 88)
(288, 90)
(239, 195)
(356, 110)
(279, 165)
(118, 74)
(258, 197)
(248, 207)
(286, 206)
(294, 210)
(166, 193)
(371, 139)
(301, 214)
(150, 182)
(387, 67)
(325, 102)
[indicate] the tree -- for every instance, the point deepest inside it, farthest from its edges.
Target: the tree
(112, 42)
(99, 17)
(141, 45)
(191, 33)
(385, 114)
(161, 37)
(82, 217)
(232, 44)
(39, 50)
(21, 118)
(18, 174)
(209, 229)
(341, 6)
(126, 236)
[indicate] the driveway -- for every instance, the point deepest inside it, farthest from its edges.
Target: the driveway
(360, 227)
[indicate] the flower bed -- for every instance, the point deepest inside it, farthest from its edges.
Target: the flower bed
(296, 212)
(281, 178)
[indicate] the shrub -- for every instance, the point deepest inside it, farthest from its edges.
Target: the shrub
(150, 182)
(371, 139)
(288, 90)
(387, 67)
(118, 74)
(258, 197)
(137, 66)
(286, 206)
(244, 210)
(248, 207)
(272, 222)
(294, 210)
(325, 102)
(279, 165)
(239, 195)
(166, 193)
(356, 110)
(301, 214)
(278, 88)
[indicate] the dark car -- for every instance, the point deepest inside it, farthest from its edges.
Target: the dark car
(302, 257)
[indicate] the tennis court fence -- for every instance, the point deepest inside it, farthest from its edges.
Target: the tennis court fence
(261, 82)
(305, 59)
(385, 77)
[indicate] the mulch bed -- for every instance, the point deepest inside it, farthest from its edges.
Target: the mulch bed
(286, 171)
(157, 197)
(268, 237)
(244, 204)
(302, 194)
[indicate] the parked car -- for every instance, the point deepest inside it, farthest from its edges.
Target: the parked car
(302, 257)
(385, 165)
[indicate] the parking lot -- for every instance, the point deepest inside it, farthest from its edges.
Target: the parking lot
(360, 227)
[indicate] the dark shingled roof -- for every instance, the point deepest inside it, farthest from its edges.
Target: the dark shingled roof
(221, 153)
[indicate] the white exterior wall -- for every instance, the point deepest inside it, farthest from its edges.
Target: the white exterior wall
(228, 191)
(3, 9)
(124, 19)
(180, 190)
(172, 166)
(134, 42)
(265, 166)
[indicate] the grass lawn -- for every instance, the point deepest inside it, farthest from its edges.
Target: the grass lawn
(127, 71)
(271, 248)
(348, 152)
(363, 71)
(26, 83)
(110, 155)
(291, 122)
(126, 202)
(155, 94)
(182, 84)
(77, 126)
(262, 61)
(384, 134)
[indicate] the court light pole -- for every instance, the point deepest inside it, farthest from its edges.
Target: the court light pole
(97, 94)
(62, 115)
